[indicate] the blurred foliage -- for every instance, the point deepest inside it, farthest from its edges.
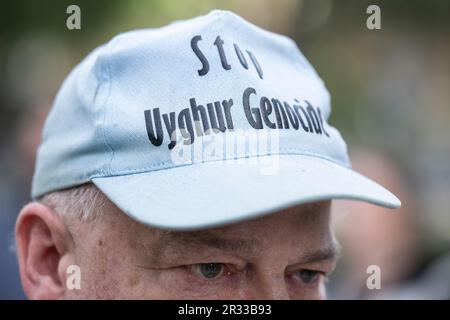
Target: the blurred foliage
(48, 16)
(22, 16)
(345, 19)
(332, 34)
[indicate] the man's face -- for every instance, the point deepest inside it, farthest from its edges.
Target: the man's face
(279, 256)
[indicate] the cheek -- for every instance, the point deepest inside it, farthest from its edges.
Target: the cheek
(109, 272)
(178, 284)
(98, 271)
(307, 292)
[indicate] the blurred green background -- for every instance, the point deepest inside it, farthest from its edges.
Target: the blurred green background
(390, 88)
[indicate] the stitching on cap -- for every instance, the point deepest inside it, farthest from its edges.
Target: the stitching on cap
(105, 140)
(164, 165)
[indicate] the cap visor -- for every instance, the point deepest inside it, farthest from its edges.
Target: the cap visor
(217, 193)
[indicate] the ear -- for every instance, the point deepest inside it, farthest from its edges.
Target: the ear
(45, 250)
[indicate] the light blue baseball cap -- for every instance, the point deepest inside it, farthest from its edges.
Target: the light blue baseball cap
(197, 124)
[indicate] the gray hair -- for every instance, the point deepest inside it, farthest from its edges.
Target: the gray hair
(85, 202)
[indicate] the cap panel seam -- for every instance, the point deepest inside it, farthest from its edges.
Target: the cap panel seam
(108, 146)
(165, 165)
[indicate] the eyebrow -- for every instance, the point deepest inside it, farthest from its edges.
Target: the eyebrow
(172, 244)
(176, 244)
(330, 252)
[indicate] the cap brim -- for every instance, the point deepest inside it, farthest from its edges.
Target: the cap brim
(216, 193)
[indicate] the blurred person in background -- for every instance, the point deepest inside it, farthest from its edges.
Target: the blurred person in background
(393, 240)
(18, 158)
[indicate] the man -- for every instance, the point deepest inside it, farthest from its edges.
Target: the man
(190, 161)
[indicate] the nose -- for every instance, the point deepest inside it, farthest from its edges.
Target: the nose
(270, 288)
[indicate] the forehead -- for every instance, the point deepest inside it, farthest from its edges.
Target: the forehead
(307, 225)
(307, 216)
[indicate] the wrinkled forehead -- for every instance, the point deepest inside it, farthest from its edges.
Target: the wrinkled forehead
(296, 231)
(306, 226)
(295, 218)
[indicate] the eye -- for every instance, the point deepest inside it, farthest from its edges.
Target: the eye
(209, 270)
(308, 276)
